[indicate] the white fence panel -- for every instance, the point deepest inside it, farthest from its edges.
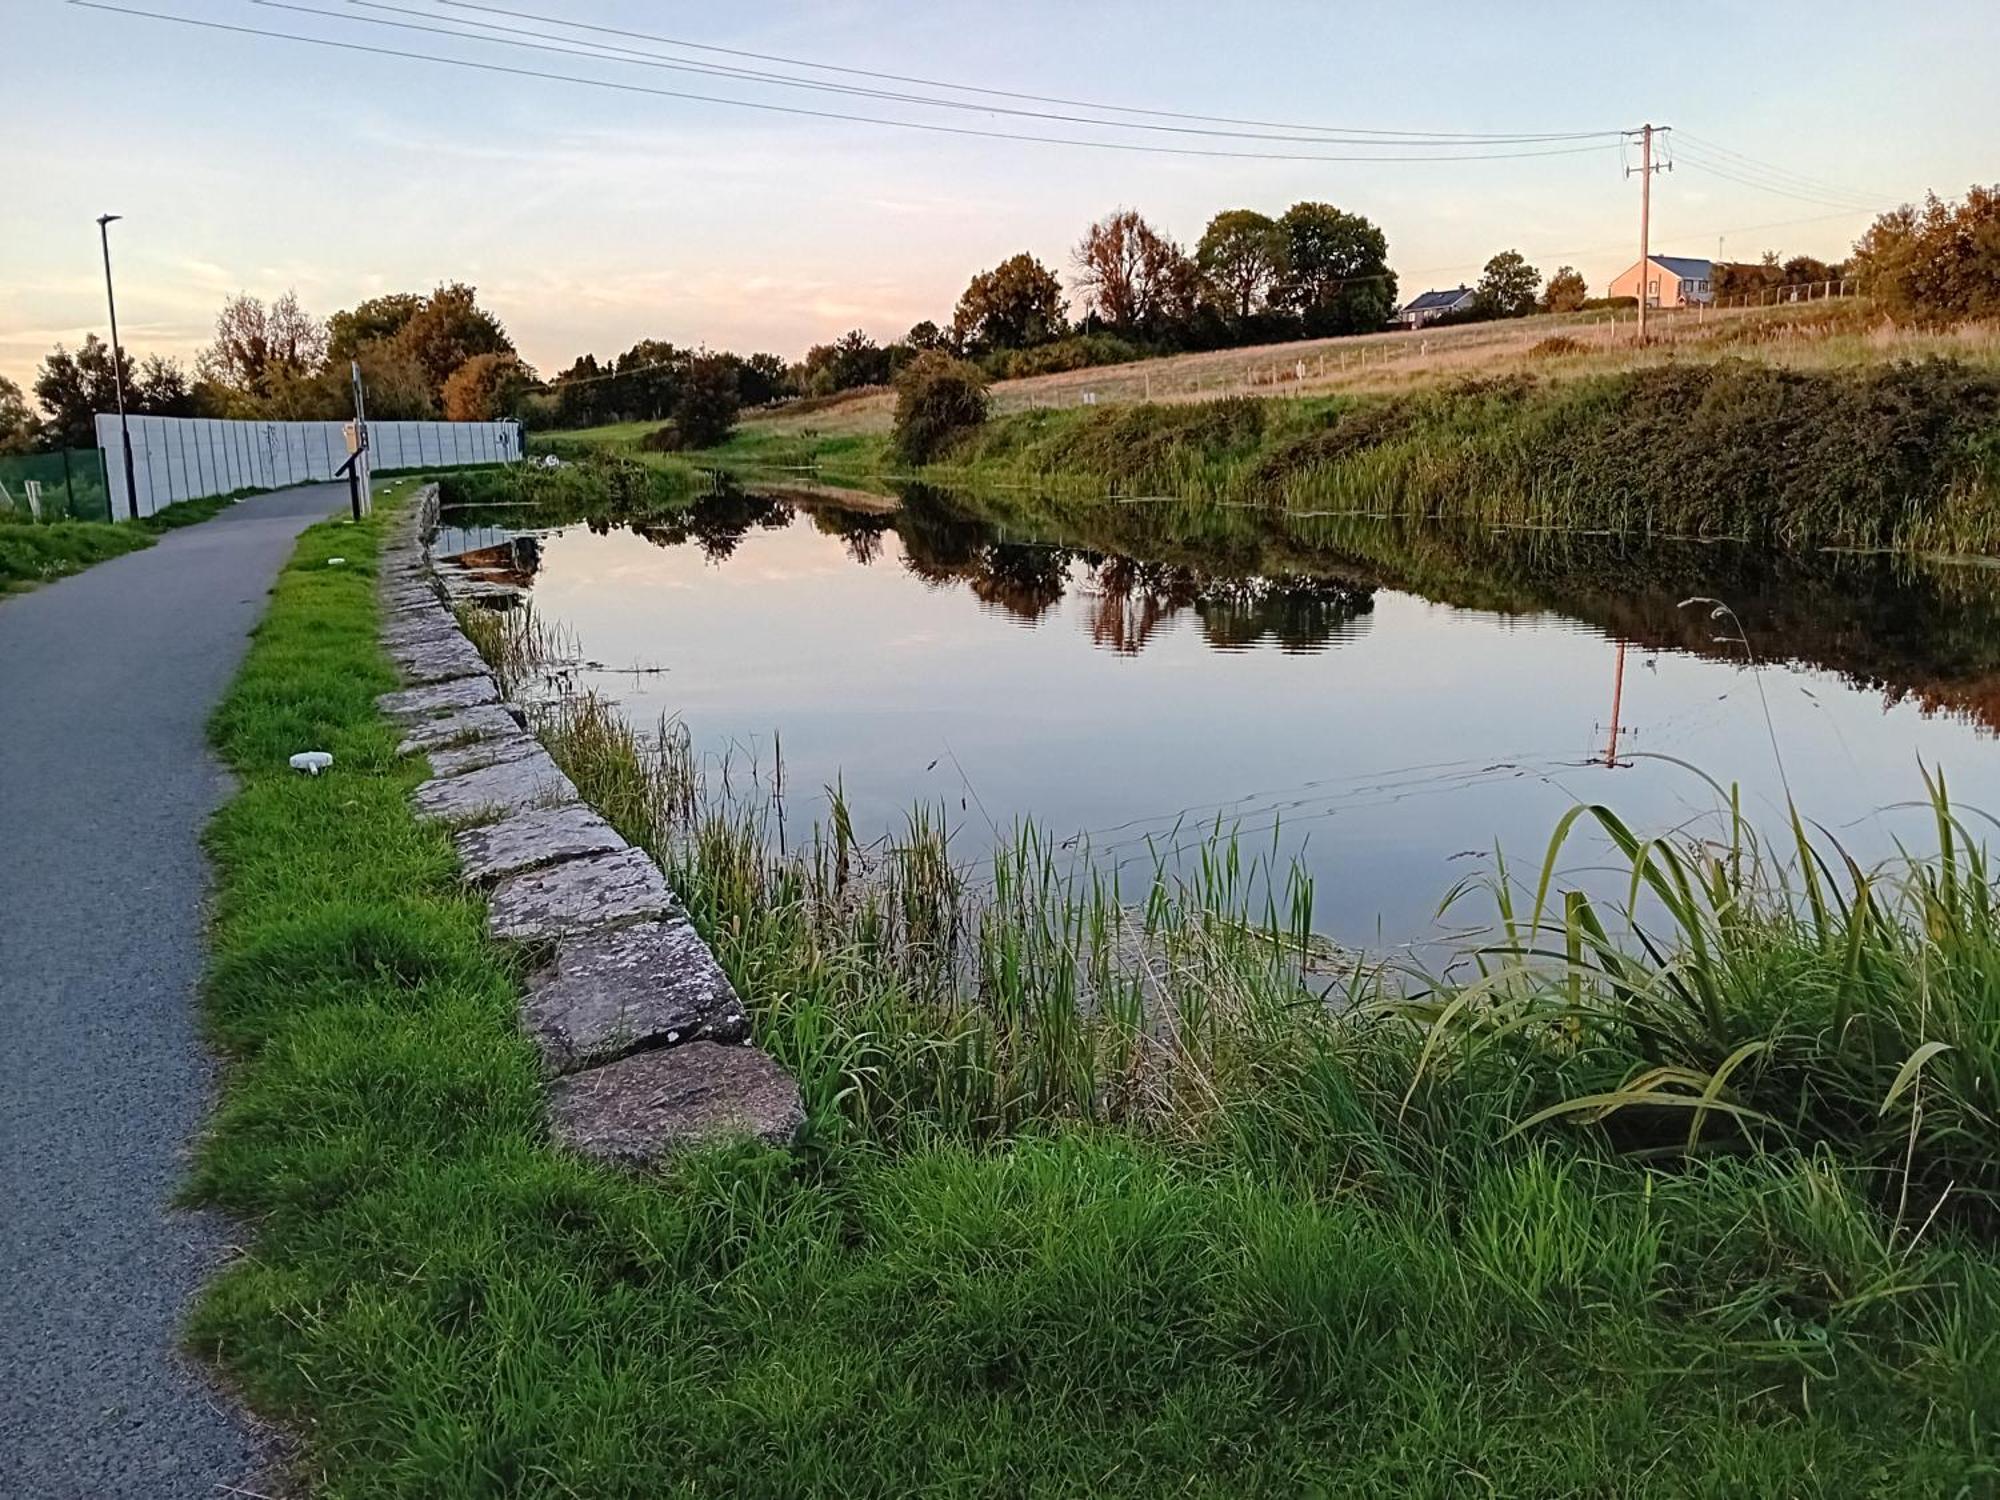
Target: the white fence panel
(185, 458)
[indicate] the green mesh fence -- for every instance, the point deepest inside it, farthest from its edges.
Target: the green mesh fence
(64, 486)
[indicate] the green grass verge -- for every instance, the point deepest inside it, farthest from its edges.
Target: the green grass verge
(31, 554)
(1316, 1292)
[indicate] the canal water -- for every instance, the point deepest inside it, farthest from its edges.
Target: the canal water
(1382, 704)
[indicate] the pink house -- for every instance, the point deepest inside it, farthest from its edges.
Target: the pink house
(1671, 281)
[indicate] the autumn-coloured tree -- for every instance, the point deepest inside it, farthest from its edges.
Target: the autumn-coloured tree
(1566, 291)
(1016, 305)
(257, 347)
(1134, 278)
(485, 387)
(449, 329)
(1242, 260)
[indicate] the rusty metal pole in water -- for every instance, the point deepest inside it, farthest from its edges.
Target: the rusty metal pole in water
(1617, 702)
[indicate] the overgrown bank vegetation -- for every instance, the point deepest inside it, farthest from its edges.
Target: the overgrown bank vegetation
(1906, 456)
(1721, 1193)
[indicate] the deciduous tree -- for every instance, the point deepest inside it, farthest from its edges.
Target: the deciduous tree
(73, 388)
(1566, 291)
(708, 402)
(374, 321)
(1132, 277)
(1242, 260)
(449, 329)
(1337, 276)
(485, 387)
(1016, 305)
(1508, 285)
(19, 426)
(257, 346)
(850, 361)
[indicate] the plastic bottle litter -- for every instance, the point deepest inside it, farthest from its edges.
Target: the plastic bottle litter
(312, 762)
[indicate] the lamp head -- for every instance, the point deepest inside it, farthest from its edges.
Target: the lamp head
(103, 219)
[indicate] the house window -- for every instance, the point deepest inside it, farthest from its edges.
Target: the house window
(1702, 285)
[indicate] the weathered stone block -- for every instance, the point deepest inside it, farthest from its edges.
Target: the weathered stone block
(530, 781)
(456, 760)
(464, 589)
(612, 993)
(433, 699)
(438, 661)
(482, 721)
(638, 1110)
(603, 890)
(530, 840)
(427, 628)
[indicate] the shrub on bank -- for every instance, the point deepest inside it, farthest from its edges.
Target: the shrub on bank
(938, 398)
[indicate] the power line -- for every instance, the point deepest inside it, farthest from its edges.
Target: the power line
(1443, 137)
(1770, 169)
(765, 106)
(545, 42)
(1701, 161)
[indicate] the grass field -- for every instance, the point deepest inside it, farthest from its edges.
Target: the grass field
(1841, 335)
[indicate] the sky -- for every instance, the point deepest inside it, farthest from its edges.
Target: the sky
(590, 218)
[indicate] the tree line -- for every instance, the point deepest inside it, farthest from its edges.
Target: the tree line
(1313, 271)
(422, 356)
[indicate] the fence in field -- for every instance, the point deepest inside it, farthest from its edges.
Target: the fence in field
(64, 486)
(1331, 360)
(186, 458)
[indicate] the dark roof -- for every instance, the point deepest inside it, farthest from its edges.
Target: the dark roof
(1437, 301)
(1685, 268)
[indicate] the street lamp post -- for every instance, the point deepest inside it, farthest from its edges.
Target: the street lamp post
(104, 223)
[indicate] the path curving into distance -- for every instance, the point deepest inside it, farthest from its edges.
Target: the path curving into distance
(106, 780)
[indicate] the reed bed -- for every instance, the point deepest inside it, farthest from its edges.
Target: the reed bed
(1742, 1000)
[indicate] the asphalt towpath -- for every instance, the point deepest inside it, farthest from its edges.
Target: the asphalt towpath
(106, 780)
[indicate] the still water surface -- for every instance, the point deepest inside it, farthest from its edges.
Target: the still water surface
(1385, 709)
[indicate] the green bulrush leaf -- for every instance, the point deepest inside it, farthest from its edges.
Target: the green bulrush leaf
(1906, 1076)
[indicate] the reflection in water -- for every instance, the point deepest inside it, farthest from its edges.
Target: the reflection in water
(1140, 673)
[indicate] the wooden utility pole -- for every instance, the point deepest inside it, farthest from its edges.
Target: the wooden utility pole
(1617, 704)
(1646, 171)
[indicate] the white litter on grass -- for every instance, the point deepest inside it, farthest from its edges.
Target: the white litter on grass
(334, 562)
(312, 762)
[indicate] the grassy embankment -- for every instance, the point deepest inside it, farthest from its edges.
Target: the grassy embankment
(1903, 456)
(1066, 1222)
(31, 553)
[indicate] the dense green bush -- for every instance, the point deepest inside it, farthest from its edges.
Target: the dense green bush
(1082, 351)
(1940, 262)
(937, 399)
(705, 411)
